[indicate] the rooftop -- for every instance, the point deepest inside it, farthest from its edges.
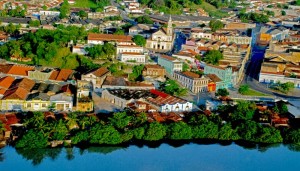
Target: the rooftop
(99, 72)
(109, 37)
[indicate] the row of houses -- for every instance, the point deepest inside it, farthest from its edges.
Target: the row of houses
(281, 67)
(225, 35)
(29, 88)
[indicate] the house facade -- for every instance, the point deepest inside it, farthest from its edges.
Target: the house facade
(96, 77)
(170, 64)
(194, 82)
(224, 74)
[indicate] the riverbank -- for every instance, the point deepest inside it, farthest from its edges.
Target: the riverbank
(241, 122)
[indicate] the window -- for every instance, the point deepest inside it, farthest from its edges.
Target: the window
(67, 106)
(44, 105)
(29, 105)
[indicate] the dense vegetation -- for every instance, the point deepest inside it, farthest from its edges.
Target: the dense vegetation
(255, 17)
(215, 25)
(129, 127)
(213, 57)
(47, 47)
(172, 87)
(176, 6)
(283, 87)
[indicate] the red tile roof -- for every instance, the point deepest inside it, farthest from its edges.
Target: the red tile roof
(16, 93)
(163, 98)
(99, 72)
(5, 82)
(169, 58)
(20, 70)
(62, 75)
(4, 68)
(109, 37)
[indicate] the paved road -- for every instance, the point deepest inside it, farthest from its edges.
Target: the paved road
(252, 73)
(123, 13)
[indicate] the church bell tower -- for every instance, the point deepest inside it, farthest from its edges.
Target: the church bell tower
(170, 27)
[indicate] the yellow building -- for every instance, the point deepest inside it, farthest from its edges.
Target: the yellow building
(85, 104)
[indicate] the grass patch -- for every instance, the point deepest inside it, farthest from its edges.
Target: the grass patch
(211, 10)
(252, 92)
(85, 4)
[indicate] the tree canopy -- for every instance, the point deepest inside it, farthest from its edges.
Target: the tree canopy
(139, 40)
(215, 25)
(213, 57)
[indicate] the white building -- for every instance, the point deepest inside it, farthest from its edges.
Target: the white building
(96, 77)
(132, 57)
(62, 102)
(194, 82)
(95, 39)
(49, 13)
(162, 40)
(131, 53)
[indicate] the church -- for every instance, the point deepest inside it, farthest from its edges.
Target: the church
(162, 40)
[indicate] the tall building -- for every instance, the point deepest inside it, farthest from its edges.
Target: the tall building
(162, 40)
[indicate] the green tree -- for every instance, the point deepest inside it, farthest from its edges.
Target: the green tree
(215, 25)
(105, 134)
(243, 89)
(119, 32)
(213, 57)
(82, 14)
(136, 72)
(293, 136)
(34, 23)
(244, 110)
(64, 9)
(81, 136)
(208, 130)
(120, 120)
(179, 131)
(138, 133)
(185, 67)
(2, 128)
(172, 88)
(228, 133)
(71, 121)
(32, 139)
(139, 40)
(59, 130)
(155, 132)
(222, 92)
(144, 19)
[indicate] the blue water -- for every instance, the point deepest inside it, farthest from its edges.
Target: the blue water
(165, 157)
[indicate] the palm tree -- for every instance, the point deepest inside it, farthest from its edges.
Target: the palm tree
(36, 121)
(72, 121)
(87, 121)
(2, 128)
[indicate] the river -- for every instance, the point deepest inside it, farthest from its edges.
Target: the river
(164, 157)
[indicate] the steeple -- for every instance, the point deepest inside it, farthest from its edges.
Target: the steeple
(170, 27)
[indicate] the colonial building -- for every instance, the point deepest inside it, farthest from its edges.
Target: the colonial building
(162, 40)
(282, 67)
(96, 77)
(112, 83)
(224, 74)
(156, 100)
(170, 64)
(194, 82)
(134, 57)
(154, 73)
(95, 38)
(131, 53)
